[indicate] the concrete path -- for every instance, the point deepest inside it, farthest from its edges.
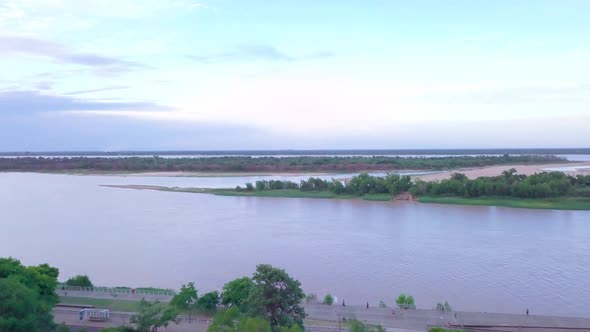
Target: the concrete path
(422, 319)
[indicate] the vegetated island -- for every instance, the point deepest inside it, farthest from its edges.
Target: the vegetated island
(235, 165)
(546, 190)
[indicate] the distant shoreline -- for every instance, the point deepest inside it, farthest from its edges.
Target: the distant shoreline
(433, 175)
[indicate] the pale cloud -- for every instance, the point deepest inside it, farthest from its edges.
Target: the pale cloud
(251, 52)
(14, 46)
(38, 16)
(27, 102)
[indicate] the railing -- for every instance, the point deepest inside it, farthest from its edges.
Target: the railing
(117, 290)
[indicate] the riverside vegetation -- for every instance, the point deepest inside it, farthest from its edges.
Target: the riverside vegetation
(541, 190)
(269, 301)
(263, 164)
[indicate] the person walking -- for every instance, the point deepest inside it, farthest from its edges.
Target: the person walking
(527, 311)
(367, 305)
(344, 305)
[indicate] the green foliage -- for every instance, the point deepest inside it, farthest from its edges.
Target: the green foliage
(357, 326)
(186, 298)
(405, 302)
(311, 298)
(558, 203)
(441, 329)
(232, 319)
(509, 184)
(208, 302)
(27, 296)
(293, 328)
(80, 281)
(263, 164)
(328, 299)
(17, 306)
(236, 292)
(119, 329)
(276, 296)
(152, 316)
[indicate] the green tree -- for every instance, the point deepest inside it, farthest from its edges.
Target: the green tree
(276, 296)
(27, 296)
(80, 281)
(209, 301)
(185, 299)
(152, 316)
(232, 319)
(328, 299)
(293, 328)
(405, 301)
(236, 292)
(17, 306)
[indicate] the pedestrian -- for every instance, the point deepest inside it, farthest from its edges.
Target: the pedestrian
(455, 316)
(344, 305)
(367, 305)
(527, 311)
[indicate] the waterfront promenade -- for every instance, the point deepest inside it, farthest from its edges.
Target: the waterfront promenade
(327, 318)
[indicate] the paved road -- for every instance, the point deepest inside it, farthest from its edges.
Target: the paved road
(421, 319)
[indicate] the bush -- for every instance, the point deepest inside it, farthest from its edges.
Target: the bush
(328, 299)
(405, 302)
(80, 281)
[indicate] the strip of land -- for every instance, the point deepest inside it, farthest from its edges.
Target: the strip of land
(326, 318)
(580, 168)
(557, 203)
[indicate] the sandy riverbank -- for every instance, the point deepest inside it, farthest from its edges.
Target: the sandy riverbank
(473, 173)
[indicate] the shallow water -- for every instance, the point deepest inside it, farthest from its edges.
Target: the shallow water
(477, 258)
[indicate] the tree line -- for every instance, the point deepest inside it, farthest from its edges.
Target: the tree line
(508, 184)
(361, 184)
(263, 164)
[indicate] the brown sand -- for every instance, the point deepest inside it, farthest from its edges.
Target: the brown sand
(473, 173)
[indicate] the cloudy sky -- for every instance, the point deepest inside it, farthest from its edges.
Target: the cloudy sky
(305, 74)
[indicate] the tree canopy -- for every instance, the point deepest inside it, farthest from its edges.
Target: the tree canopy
(80, 281)
(276, 296)
(153, 315)
(27, 296)
(236, 292)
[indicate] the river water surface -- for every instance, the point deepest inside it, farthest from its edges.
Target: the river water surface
(477, 258)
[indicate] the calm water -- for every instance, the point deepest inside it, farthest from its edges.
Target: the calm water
(477, 258)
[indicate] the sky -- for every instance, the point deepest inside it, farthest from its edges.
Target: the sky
(113, 75)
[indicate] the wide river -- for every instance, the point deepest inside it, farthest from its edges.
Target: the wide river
(477, 258)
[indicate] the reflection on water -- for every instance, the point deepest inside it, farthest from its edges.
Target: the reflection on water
(477, 258)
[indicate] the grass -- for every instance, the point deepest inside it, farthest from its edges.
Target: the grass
(294, 193)
(557, 203)
(115, 305)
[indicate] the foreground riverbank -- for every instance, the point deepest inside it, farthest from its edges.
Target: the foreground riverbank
(327, 318)
(558, 203)
(286, 193)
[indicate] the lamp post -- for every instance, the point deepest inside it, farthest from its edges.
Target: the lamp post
(339, 328)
